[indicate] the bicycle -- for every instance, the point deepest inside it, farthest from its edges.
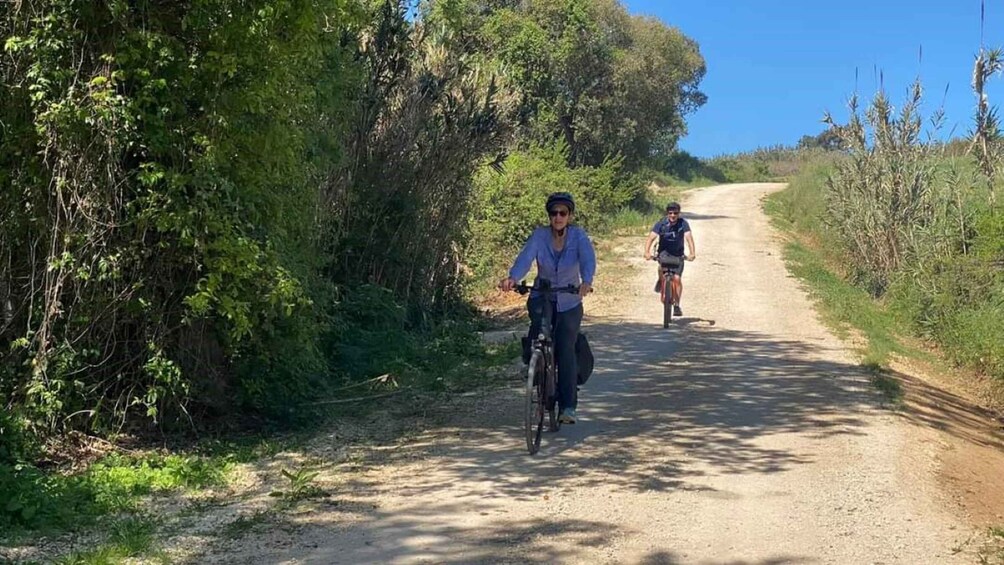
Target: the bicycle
(665, 268)
(542, 371)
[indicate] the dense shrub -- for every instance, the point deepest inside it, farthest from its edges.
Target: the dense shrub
(509, 204)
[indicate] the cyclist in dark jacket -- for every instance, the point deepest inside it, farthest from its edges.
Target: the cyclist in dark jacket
(672, 232)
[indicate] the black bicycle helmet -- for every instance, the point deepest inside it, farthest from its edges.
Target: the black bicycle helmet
(560, 198)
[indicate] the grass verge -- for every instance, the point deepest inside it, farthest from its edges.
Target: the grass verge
(116, 492)
(129, 538)
(850, 311)
(992, 552)
(38, 502)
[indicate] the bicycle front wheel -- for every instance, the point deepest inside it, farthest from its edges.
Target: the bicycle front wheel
(551, 393)
(667, 302)
(533, 414)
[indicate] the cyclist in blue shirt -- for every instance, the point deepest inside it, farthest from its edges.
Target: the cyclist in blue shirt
(672, 232)
(564, 255)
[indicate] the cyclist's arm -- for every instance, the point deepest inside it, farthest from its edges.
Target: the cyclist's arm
(587, 260)
(652, 236)
(521, 266)
(688, 237)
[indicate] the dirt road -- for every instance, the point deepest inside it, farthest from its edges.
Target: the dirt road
(744, 434)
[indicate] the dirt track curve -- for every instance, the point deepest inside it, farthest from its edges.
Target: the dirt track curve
(744, 434)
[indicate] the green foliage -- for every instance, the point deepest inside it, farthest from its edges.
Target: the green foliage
(16, 444)
(300, 485)
(827, 140)
(882, 197)
(182, 143)
(510, 204)
(605, 82)
(803, 203)
(687, 169)
(918, 235)
(128, 538)
(766, 164)
(375, 336)
(430, 114)
(38, 501)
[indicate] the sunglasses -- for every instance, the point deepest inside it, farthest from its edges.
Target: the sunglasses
(554, 213)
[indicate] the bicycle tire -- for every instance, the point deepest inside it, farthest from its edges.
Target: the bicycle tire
(554, 424)
(667, 306)
(533, 411)
(550, 394)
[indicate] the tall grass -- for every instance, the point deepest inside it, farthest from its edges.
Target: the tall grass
(916, 225)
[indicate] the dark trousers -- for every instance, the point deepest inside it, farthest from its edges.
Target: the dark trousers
(566, 331)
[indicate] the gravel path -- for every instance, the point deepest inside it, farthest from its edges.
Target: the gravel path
(744, 434)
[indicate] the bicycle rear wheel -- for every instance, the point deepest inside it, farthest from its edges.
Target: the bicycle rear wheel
(534, 405)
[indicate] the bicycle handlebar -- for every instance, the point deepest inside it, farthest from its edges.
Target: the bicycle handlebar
(524, 288)
(656, 258)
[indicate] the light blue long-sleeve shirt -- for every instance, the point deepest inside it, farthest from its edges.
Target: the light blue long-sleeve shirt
(574, 264)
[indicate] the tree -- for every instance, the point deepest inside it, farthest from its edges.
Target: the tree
(828, 140)
(604, 81)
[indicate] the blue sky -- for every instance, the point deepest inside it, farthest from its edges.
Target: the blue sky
(774, 66)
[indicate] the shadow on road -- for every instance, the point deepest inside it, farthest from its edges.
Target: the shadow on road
(691, 216)
(663, 408)
(932, 407)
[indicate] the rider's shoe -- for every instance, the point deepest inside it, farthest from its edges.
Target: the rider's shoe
(567, 416)
(677, 311)
(658, 286)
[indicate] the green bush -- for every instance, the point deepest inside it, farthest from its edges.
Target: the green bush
(34, 500)
(16, 444)
(187, 143)
(973, 335)
(803, 203)
(957, 299)
(947, 284)
(510, 204)
(685, 167)
(377, 335)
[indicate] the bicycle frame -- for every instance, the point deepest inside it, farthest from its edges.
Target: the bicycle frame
(542, 388)
(544, 341)
(666, 293)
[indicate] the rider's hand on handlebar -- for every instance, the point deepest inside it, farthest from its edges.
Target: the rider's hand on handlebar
(648, 256)
(585, 288)
(507, 284)
(691, 257)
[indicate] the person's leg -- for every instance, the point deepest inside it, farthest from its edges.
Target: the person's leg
(677, 288)
(663, 293)
(678, 283)
(566, 332)
(535, 308)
